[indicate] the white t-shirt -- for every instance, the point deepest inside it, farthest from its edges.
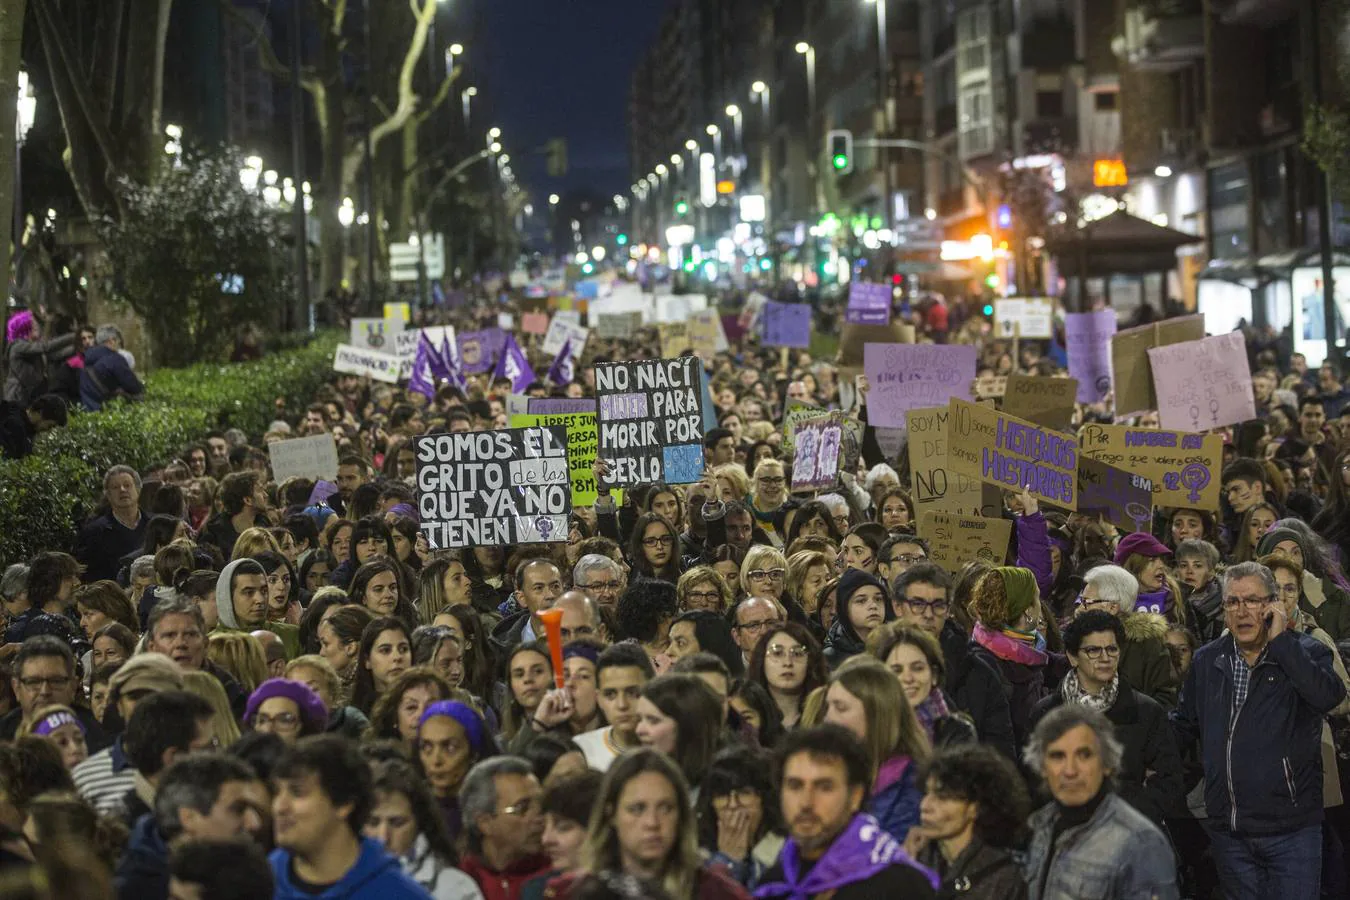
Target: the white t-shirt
(599, 747)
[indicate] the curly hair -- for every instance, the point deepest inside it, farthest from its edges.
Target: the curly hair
(976, 773)
(643, 607)
(384, 714)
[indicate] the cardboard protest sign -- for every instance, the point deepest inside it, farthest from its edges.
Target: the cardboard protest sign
(534, 323)
(375, 334)
(1024, 317)
(1087, 339)
(1041, 399)
(307, 457)
(583, 439)
(1013, 453)
(786, 324)
(651, 420)
(479, 350)
(674, 338)
(932, 485)
(795, 414)
(954, 540)
(706, 335)
(1185, 469)
(868, 304)
(351, 360)
(815, 464)
(619, 325)
(493, 488)
(1203, 384)
(560, 331)
(902, 377)
(750, 313)
(1130, 374)
(854, 338)
(1119, 497)
(678, 307)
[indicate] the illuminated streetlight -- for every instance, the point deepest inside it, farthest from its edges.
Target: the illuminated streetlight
(346, 213)
(758, 87)
(691, 144)
(494, 133)
(598, 253)
(553, 199)
(661, 169)
(495, 148)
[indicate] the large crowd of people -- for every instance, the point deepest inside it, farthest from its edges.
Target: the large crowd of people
(229, 688)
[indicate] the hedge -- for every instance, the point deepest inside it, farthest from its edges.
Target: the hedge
(44, 496)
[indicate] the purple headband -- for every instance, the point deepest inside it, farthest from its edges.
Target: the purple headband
(585, 651)
(55, 721)
(466, 716)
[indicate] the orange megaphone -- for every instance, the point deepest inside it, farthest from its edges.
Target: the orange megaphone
(552, 621)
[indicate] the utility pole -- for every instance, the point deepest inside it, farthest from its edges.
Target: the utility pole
(298, 167)
(1312, 31)
(368, 180)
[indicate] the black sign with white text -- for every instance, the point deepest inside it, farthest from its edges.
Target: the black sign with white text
(650, 417)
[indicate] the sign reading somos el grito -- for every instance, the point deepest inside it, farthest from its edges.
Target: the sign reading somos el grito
(650, 415)
(494, 488)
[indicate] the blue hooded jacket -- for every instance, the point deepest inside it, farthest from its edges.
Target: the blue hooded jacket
(143, 871)
(376, 874)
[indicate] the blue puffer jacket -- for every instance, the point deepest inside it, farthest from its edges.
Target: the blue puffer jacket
(895, 797)
(1267, 777)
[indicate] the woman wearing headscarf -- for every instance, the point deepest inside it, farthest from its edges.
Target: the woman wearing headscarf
(1007, 633)
(1323, 598)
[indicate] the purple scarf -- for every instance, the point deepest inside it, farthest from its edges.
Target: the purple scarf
(1157, 602)
(862, 850)
(933, 708)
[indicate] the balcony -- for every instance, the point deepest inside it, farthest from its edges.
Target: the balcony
(1058, 135)
(1261, 13)
(1162, 35)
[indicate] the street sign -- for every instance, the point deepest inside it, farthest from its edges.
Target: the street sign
(404, 258)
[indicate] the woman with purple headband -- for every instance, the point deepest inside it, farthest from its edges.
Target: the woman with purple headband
(60, 727)
(451, 738)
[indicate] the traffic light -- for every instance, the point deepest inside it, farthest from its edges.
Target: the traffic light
(623, 240)
(681, 205)
(841, 151)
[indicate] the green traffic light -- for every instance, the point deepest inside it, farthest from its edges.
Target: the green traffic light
(623, 240)
(681, 209)
(989, 309)
(840, 161)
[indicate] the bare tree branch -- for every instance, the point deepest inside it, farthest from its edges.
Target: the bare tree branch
(440, 96)
(53, 30)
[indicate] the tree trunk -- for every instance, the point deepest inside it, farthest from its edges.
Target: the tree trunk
(11, 26)
(333, 135)
(143, 87)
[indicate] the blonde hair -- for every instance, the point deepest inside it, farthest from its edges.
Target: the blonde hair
(892, 727)
(254, 541)
(799, 565)
(207, 686)
(332, 682)
(699, 575)
(760, 557)
(760, 431)
(735, 473)
(240, 654)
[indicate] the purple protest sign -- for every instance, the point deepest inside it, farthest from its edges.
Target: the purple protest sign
(479, 350)
(1087, 338)
(901, 377)
(815, 463)
(559, 406)
(868, 304)
(786, 325)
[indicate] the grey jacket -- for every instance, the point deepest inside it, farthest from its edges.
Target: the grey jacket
(28, 361)
(1117, 855)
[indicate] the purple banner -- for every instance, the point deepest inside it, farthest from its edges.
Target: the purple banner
(559, 406)
(479, 350)
(868, 304)
(786, 324)
(1087, 340)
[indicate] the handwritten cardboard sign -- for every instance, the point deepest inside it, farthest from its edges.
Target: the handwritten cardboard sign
(583, 441)
(954, 540)
(351, 360)
(674, 338)
(815, 464)
(706, 335)
(902, 377)
(1041, 399)
(493, 488)
(534, 323)
(307, 457)
(932, 485)
(560, 331)
(1002, 449)
(786, 324)
(1119, 497)
(1203, 384)
(651, 419)
(1131, 375)
(1027, 317)
(1087, 339)
(868, 304)
(1184, 469)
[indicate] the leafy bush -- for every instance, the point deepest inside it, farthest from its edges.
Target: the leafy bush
(44, 496)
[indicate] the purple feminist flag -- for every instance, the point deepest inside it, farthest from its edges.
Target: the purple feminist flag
(563, 368)
(454, 373)
(513, 364)
(423, 377)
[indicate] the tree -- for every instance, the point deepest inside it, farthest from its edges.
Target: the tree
(11, 27)
(195, 255)
(107, 68)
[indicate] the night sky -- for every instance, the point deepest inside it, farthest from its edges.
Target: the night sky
(563, 70)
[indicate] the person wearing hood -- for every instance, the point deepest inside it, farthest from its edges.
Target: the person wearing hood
(1145, 557)
(241, 603)
(1145, 663)
(862, 604)
(1007, 634)
(1322, 598)
(1197, 567)
(324, 794)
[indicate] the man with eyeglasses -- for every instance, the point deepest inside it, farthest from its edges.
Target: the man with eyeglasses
(923, 600)
(1149, 775)
(500, 802)
(44, 675)
(754, 616)
(1254, 700)
(898, 554)
(600, 577)
(539, 583)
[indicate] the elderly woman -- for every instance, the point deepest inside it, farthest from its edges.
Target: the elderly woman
(1145, 662)
(703, 588)
(764, 573)
(288, 709)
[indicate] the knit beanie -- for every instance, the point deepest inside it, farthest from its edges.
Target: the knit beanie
(312, 709)
(1276, 536)
(849, 583)
(1019, 595)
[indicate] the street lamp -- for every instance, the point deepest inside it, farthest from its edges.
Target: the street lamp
(554, 199)
(809, 52)
(737, 120)
(450, 53)
(716, 134)
(251, 173)
(494, 133)
(465, 98)
(346, 213)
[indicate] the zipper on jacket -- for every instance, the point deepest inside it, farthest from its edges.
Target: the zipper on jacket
(1289, 780)
(1232, 729)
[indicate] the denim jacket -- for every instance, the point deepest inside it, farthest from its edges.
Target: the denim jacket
(1118, 854)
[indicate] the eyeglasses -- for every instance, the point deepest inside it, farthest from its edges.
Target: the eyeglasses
(1086, 602)
(778, 651)
(771, 480)
(936, 607)
(37, 684)
(1249, 603)
(663, 540)
(743, 796)
(765, 574)
(704, 596)
(908, 559)
(1111, 652)
(523, 808)
(602, 585)
(280, 720)
(757, 626)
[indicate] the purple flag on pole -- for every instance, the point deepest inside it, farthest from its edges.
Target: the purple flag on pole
(423, 378)
(454, 373)
(513, 364)
(562, 370)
